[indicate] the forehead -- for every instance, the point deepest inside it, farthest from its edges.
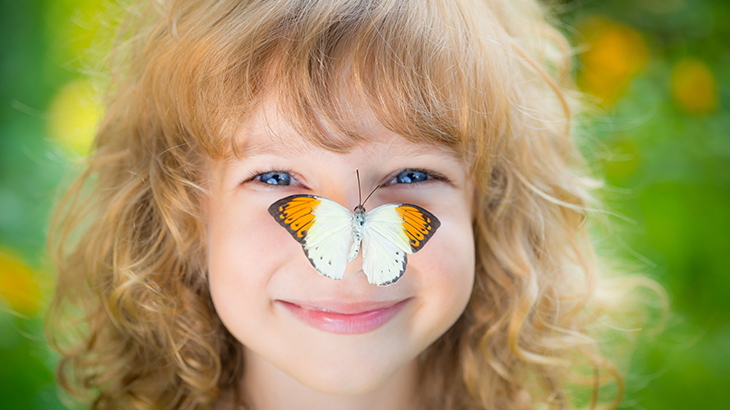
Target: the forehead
(271, 129)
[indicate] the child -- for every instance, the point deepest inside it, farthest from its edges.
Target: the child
(183, 292)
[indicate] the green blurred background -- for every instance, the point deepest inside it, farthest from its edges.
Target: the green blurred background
(660, 70)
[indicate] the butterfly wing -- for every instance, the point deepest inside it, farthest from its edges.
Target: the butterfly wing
(391, 232)
(419, 225)
(323, 228)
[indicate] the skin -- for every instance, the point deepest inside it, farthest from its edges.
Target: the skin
(254, 265)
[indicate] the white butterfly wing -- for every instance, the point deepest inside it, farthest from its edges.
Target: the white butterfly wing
(384, 246)
(329, 239)
(391, 232)
(323, 228)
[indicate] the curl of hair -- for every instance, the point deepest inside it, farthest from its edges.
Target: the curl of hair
(132, 315)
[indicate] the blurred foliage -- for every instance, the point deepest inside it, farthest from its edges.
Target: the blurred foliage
(659, 71)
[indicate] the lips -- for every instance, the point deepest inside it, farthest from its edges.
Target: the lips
(345, 318)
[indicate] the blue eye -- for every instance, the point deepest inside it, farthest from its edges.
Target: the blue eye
(274, 178)
(411, 176)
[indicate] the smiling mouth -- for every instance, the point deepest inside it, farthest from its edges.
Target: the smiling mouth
(345, 319)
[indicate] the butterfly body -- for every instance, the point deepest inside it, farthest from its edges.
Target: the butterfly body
(358, 228)
(331, 236)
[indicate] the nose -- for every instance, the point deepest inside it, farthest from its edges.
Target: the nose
(349, 198)
(354, 275)
(344, 189)
(349, 190)
(341, 191)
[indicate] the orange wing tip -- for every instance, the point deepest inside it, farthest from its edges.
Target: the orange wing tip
(419, 224)
(295, 214)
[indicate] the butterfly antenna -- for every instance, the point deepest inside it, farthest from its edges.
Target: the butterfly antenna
(359, 190)
(366, 199)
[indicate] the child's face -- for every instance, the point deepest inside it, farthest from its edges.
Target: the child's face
(264, 288)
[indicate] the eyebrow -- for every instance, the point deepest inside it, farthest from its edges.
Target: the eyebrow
(265, 143)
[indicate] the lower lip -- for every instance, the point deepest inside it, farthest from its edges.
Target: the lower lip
(345, 324)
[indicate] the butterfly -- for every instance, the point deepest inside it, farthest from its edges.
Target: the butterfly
(331, 235)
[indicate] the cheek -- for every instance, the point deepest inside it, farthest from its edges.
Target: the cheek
(245, 250)
(446, 267)
(453, 260)
(454, 243)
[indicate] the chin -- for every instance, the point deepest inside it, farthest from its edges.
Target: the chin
(347, 377)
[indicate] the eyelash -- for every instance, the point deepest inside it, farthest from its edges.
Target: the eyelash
(430, 176)
(257, 173)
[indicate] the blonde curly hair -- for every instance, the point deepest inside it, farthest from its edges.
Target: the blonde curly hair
(132, 315)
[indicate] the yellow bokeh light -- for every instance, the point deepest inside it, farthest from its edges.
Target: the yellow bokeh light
(694, 87)
(616, 53)
(74, 116)
(17, 284)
